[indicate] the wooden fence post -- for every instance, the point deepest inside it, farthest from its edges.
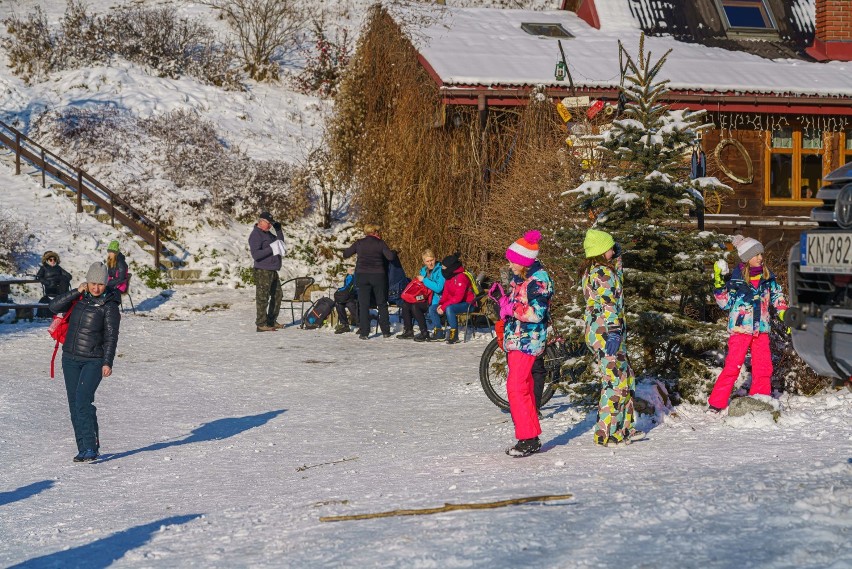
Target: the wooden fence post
(157, 247)
(17, 153)
(43, 170)
(79, 191)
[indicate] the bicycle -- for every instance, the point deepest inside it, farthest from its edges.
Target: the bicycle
(563, 361)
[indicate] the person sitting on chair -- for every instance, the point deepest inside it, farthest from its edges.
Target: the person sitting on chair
(53, 278)
(117, 267)
(424, 312)
(457, 295)
(346, 298)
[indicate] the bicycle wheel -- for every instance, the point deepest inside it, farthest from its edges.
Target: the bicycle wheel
(493, 371)
(553, 364)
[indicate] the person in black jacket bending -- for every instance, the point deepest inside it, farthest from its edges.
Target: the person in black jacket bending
(371, 278)
(88, 352)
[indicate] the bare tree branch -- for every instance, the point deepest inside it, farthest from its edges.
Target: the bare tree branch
(263, 27)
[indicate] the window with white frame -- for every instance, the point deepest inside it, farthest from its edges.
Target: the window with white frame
(746, 15)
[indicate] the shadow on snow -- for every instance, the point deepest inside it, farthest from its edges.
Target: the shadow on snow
(212, 431)
(25, 492)
(104, 552)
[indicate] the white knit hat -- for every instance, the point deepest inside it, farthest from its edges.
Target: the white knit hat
(747, 248)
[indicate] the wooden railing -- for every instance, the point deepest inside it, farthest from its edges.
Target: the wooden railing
(83, 185)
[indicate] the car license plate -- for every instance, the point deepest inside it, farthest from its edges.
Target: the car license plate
(826, 252)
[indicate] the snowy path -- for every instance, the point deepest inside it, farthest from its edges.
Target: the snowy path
(209, 421)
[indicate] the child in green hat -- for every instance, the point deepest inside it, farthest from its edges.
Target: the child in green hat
(117, 268)
(606, 327)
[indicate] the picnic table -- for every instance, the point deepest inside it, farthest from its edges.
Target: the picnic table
(23, 310)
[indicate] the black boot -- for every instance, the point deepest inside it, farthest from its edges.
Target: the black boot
(407, 334)
(452, 336)
(422, 336)
(437, 334)
(524, 447)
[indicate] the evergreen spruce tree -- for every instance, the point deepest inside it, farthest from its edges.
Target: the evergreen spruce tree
(644, 205)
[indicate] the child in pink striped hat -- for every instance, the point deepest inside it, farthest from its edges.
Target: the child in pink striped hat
(526, 313)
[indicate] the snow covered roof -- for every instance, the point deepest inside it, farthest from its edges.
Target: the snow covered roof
(465, 47)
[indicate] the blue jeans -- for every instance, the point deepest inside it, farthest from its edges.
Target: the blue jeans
(82, 377)
(433, 319)
(452, 312)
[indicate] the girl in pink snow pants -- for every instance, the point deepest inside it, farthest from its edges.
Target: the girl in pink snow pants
(526, 312)
(747, 295)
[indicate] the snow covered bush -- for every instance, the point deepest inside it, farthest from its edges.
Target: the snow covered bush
(13, 240)
(174, 167)
(324, 61)
(157, 38)
(316, 178)
(30, 45)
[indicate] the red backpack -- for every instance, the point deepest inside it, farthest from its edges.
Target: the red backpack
(58, 329)
(415, 291)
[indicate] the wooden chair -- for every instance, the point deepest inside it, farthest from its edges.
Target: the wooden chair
(300, 286)
(127, 293)
(478, 311)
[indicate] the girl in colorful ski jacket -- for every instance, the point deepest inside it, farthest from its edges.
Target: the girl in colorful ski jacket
(747, 295)
(605, 336)
(526, 312)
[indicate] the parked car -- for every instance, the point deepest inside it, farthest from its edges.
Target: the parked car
(820, 282)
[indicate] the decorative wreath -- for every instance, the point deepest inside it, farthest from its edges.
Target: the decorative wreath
(741, 149)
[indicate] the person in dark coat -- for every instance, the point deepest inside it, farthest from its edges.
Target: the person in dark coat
(267, 263)
(54, 278)
(88, 352)
(371, 278)
(117, 267)
(345, 299)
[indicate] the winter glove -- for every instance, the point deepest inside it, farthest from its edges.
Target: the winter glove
(720, 268)
(613, 342)
(276, 225)
(781, 315)
(505, 307)
(496, 292)
(616, 250)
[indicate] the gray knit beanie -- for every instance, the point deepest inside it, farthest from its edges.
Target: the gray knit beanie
(97, 273)
(747, 247)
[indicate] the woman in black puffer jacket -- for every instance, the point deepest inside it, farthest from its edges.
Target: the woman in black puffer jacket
(88, 352)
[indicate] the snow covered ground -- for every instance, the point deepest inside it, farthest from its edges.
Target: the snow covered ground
(207, 427)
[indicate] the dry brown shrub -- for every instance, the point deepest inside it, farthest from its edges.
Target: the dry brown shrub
(438, 176)
(527, 195)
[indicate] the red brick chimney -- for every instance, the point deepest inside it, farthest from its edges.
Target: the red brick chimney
(585, 9)
(833, 37)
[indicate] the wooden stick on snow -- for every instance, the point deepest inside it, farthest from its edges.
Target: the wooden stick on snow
(448, 508)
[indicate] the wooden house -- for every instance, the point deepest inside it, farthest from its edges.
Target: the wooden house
(772, 75)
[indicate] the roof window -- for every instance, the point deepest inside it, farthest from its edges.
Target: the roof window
(546, 30)
(747, 14)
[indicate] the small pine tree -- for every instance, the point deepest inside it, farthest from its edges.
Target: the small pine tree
(643, 204)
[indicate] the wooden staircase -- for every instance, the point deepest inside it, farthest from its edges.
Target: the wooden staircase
(98, 201)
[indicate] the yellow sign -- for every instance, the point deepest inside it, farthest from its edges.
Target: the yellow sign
(563, 112)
